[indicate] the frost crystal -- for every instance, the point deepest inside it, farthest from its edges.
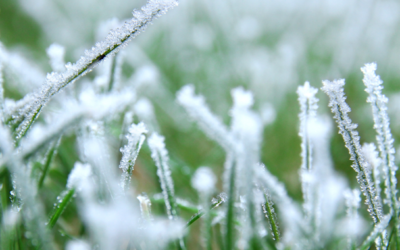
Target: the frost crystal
(347, 129)
(204, 180)
(130, 152)
(56, 54)
(79, 176)
(384, 137)
(160, 157)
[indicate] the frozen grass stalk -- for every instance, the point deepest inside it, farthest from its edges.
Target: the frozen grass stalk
(160, 157)
(347, 129)
(308, 107)
(130, 152)
(384, 138)
(115, 40)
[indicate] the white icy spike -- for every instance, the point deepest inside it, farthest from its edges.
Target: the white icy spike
(384, 137)
(347, 129)
(160, 157)
(130, 152)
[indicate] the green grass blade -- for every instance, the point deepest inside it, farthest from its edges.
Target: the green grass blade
(230, 214)
(47, 162)
(59, 209)
(270, 214)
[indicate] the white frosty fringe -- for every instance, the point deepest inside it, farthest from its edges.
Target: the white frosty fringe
(56, 54)
(130, 152)
(384, 137)
(373, 160)
(347, 129)
(198, 110)
(290, 214)
(115, 40)
(308, 107)
(160, 157)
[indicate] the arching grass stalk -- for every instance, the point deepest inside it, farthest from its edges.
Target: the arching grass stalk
(115, 40)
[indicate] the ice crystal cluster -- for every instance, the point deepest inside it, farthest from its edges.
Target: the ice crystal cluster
(119, 151)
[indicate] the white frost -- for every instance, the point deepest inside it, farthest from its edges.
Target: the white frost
(204, 180)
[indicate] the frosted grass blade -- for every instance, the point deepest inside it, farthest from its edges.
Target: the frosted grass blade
(384, 138)
(347, 129)
(130, 152)
(115, 40)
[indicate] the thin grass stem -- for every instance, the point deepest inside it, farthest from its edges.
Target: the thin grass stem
(59, 209)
